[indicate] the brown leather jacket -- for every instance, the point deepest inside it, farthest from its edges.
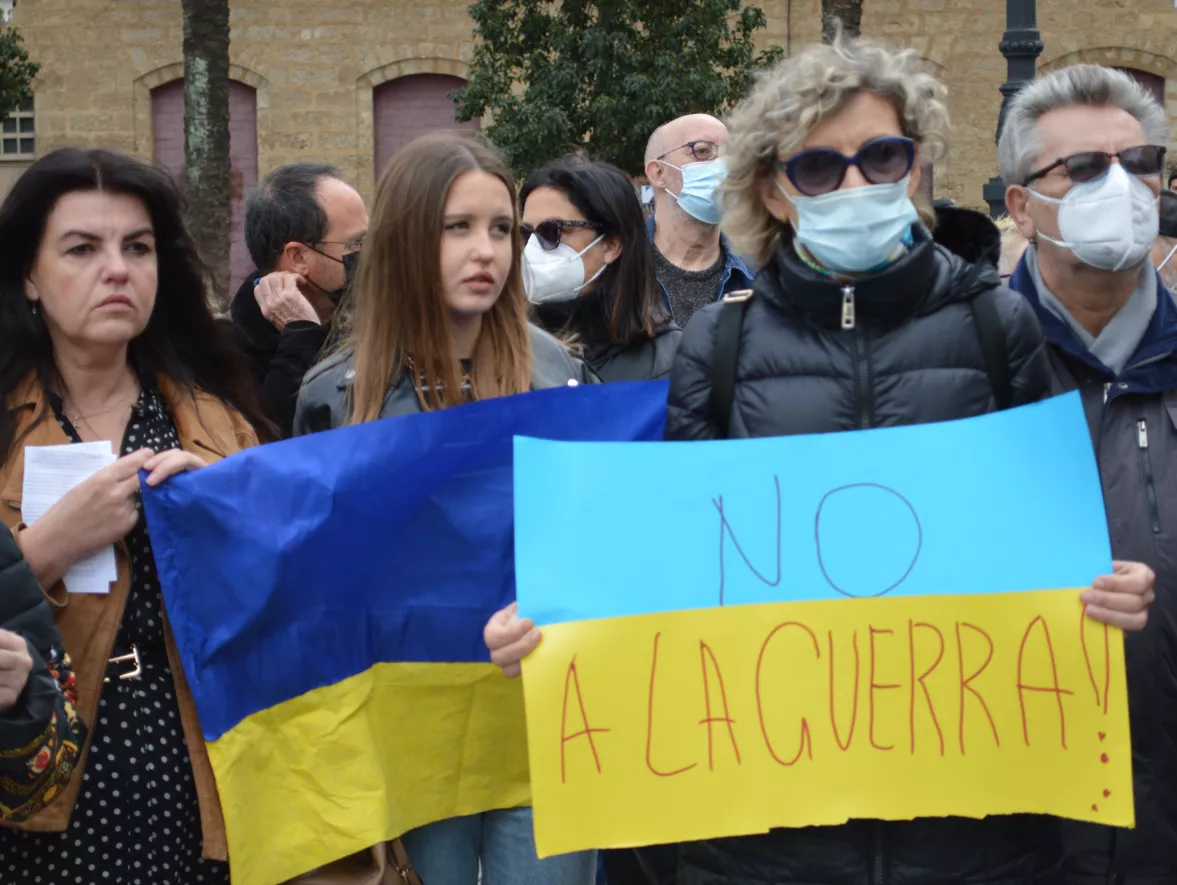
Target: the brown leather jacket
(89, 623)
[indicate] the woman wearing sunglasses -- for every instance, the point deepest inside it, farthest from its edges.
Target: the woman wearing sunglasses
(859, 319)
(589, 270)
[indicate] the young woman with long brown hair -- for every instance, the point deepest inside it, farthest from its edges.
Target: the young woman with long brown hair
(440, 319)
(440, 314)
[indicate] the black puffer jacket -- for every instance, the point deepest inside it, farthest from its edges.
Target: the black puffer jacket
(586, 321)
(914, 357)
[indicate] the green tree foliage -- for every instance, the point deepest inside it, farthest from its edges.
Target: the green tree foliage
(16, 71)
(556, 75)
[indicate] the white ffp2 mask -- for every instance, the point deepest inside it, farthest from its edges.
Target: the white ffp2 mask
(557, 275)
(1110, 223)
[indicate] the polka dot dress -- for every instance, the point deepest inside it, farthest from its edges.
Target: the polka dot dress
(136, 821)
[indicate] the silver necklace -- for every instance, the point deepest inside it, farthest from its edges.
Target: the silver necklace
(79, 418)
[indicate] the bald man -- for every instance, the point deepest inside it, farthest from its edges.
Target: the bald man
(693, 260)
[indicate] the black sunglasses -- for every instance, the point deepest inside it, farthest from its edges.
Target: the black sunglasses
(820, 171)
(1144, 159)
(550, 231)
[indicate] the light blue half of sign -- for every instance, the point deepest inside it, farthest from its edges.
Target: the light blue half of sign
(1001, 503)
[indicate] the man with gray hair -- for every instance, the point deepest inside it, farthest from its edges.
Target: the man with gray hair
(692, 259)
(1083, 154)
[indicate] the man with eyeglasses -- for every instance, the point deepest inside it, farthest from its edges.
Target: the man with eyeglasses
(693, 260)
(304, 228)
(1083, 150)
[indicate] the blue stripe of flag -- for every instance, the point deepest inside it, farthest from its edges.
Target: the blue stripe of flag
(295, 565)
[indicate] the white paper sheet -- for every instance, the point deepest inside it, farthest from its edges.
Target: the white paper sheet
(50, 472)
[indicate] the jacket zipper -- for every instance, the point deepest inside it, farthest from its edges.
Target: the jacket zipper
(1150, 488)
(861, 359)
(877, 869)
(848, 320)
(862, 371)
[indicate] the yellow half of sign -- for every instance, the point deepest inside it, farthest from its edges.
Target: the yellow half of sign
(350, 765)
(730, 721)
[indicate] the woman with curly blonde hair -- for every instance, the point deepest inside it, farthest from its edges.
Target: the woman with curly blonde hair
(858, 319)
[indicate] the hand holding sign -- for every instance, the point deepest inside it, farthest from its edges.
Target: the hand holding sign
(510, 639)
(1122, 599)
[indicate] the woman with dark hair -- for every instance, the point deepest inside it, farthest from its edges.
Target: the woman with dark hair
(108, 339)
(589, 269)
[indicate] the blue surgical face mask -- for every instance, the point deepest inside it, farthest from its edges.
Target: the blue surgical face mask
(856, 229)
(699, 196)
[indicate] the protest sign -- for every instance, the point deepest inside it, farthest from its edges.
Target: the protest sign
(800, 631)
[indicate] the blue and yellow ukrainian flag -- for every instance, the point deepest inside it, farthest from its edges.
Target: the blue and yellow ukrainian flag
(328, 594)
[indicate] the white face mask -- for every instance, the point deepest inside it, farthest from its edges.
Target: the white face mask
(557, 275)
(1110, 223)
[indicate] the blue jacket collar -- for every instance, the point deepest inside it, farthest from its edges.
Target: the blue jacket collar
(1152, 369)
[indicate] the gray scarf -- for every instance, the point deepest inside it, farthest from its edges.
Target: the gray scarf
(1119, 339)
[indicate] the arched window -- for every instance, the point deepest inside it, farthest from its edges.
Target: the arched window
(408, 107)
(167, 131)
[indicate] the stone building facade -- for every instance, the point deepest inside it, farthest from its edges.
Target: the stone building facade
(349, 81)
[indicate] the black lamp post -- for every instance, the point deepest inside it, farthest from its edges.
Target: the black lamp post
(1021, 45)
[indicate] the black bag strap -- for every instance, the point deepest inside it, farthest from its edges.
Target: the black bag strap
(727, 352)
(993, 346)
